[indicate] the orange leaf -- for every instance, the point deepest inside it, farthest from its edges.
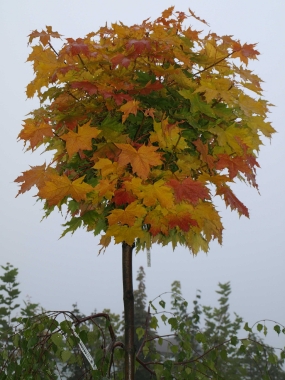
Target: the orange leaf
(81, 140)
(35, 176)
(34, 132)
(106, 188)
(203, 150)
(140, 159)
(157, 222)
(168, 12)
(244, 52)
(129, 107)
(58, 187)
(44, 36)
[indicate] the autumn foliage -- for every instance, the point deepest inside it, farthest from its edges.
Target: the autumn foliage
(147, 124)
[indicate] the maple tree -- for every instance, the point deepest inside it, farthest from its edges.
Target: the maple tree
(147, 124)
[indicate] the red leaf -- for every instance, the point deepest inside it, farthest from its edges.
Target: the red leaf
(77, 46)
(120, 97)
(120, 59)
(151, 87)
(233, 164)
(86, 86)
(189, 190)
(139, 45)
(122, 197)
(182, 220)
(232, 201)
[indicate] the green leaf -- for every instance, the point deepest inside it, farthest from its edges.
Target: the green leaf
(188, 370)
(200, 337)
(162, 304)
(66, 326)
(111, 128)
(65, 355)
(174, 349)
(53, 324)
(164, 318)
(224, 354)
(153, 323)
(32, 342)
(247, 328)
(145, 350)
(272, 358)
(57, 339)
(234, 340)
(259, 327)
(246, 342)
(277, 329)
(173, 322)
(72, 226)
(16, 340)
(152, 306)
(100, 226)
(73, 206)
(140, 332)
(168, 364)
(83, 334)
(197, 104)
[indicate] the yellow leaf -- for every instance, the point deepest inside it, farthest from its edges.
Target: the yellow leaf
(128, 216)
(152, 194)
(209, 220)
(258, 123)
(196, 242)
(168, 136)
(229, 136)
(251, 106)
(107, 167)
(125, 233)
(58, 187)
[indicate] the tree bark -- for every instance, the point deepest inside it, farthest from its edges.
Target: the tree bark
(127, 252)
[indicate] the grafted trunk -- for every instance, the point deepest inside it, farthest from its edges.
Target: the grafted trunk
(127, 252)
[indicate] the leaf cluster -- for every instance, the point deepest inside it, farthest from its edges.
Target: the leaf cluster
(147, 124)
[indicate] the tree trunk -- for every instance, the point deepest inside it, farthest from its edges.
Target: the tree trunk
(127, 251)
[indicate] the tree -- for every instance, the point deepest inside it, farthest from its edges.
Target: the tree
(144, 120)
(205, 342)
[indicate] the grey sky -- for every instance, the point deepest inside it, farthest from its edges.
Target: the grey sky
(57, 273)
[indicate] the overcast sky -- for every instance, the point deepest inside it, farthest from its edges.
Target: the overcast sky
(57, 273)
